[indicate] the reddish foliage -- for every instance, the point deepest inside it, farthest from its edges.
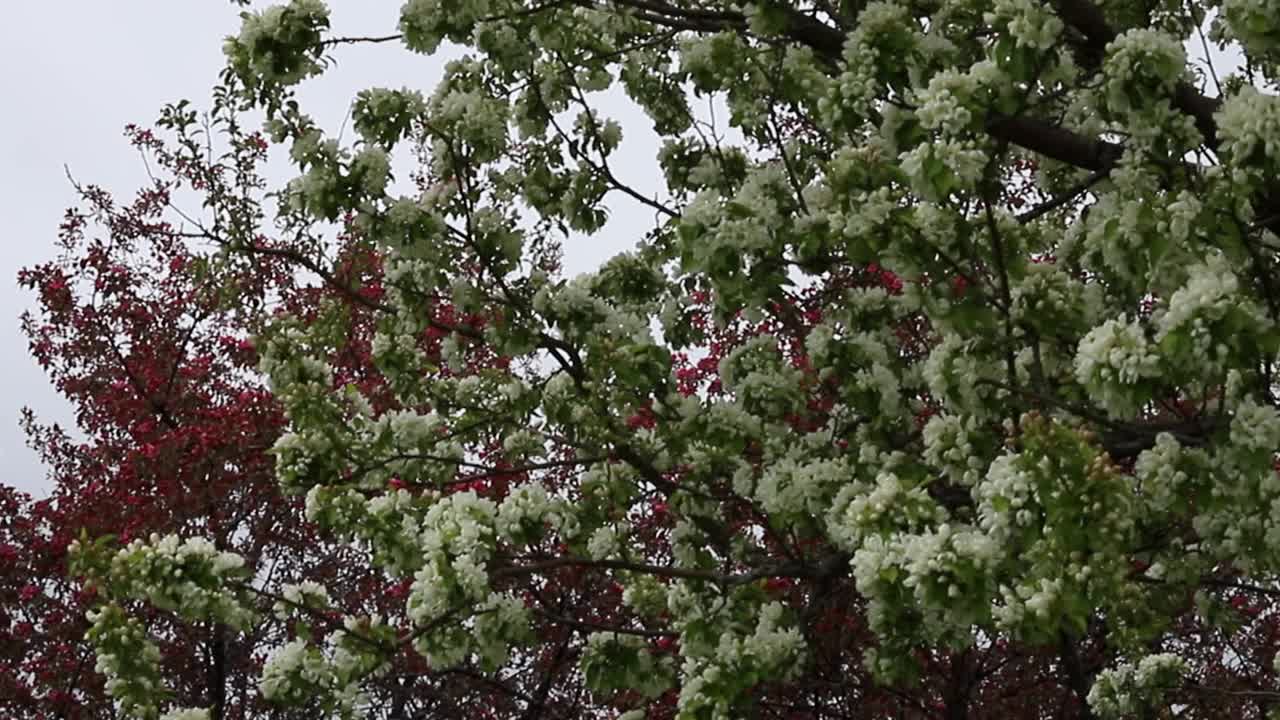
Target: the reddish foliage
(149, 336)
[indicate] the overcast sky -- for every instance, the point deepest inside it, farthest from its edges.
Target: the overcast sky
(73, 73)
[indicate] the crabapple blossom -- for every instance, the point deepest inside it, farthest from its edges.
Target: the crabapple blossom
(939, 380)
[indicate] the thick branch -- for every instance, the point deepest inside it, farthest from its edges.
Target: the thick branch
(1077, 680)
(1055, 142)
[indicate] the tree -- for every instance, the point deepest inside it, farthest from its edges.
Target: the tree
(149, 335)
(1019, 447)
(151, 341)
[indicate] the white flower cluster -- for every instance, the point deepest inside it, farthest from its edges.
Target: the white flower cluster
(1127, 690)
(1249, 127)
(1136, 233)
(688, 545)
(1006, 498)
(943, 104)
(1255, 430)
(1142, 68)
(425, 23)
(523, 513)
(299, 673)
(761, 190)
(572, 304)
(385, 523)
(371, 168)
(501, 621)
(771, 644)
(952, 372)
(1116, 237)
(415, 446)
(710, 683)
(730, 419)
(792, 488)
(459, 529)
(1196, 311)
(410, 429)
(290, 373)
(938, 224)
(697, 55)
(292, 672)
(948, 446)
(308, 595)
(861, 512)
(1240, 521)
(524, 444)
(937, 169)
(383, 116)
(876, 377)
(1163, 473)
(318, 189)
(279, 46)
(757, 374)
(1111, 360)
(457, 538)
(1141, 62)
(732, 233)
(607, 541)
(1181, 217)
(129, 661)
(1048, 297)
(186, 714)
(1034, 600)
(942, 576)
(1032, 504)
(295, 452)
(185, 576)
(1031, 24)
(463, 106)
(867, 212)
(692, 169)
(865, 52)
(645, 595)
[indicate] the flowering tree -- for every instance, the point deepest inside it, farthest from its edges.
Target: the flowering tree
(150, 339)
(149, 335)
(944, 390)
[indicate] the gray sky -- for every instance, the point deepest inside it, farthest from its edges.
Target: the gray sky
(73, 73)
